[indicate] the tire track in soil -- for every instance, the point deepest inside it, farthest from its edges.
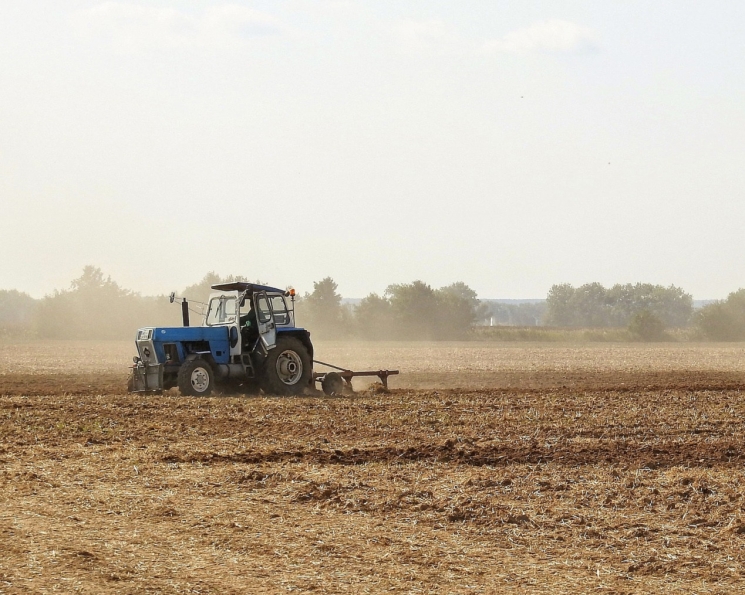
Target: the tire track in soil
(512, 381)
(703, 454)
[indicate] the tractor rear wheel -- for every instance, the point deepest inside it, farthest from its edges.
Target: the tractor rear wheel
(196, 378)
(287, 369)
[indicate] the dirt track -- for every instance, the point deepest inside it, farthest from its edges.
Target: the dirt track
(563, 487)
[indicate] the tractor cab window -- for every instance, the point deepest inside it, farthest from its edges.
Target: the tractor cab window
(222, 310)
(263, 309)
(279, 307)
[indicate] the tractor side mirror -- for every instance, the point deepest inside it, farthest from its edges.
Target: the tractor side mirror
(172, 297)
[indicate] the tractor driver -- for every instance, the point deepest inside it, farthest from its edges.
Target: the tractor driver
(249, 328)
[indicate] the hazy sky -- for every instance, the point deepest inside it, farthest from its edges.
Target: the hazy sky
(509, 145)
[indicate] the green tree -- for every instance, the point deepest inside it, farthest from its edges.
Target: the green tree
(373, 318)
(415, 310)
(560, 308)
(671, 305)
(591, 305)
(323, 311)
(586, 305)
(459, 309)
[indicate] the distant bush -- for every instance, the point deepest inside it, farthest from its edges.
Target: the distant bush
(723, 320)
(647, 326)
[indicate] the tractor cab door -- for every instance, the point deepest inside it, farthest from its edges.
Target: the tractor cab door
(222, 311)
(265, 320)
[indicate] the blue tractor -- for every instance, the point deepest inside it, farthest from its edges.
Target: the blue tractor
(247, 341)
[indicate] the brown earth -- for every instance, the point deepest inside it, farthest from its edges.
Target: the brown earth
(578, 469)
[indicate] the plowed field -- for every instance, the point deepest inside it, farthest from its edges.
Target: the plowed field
(487, 468)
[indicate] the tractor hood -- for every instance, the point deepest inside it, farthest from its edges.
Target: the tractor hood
(166, 345)
(190, 333)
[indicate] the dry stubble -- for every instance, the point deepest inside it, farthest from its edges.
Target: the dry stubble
(563, 487)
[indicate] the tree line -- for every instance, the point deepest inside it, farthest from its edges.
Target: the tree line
(646, 309)
(414, 311)
(95, 307)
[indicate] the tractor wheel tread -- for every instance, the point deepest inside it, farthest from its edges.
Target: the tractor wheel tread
(287, 350)
(195, 384)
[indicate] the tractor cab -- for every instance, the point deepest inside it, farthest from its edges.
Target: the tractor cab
(252, 313)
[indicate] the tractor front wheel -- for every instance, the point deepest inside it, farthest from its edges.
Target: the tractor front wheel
(287, 369)
(196, 378)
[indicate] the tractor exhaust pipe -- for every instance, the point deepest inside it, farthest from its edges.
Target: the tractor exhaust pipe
(184, 307)
(185, 311)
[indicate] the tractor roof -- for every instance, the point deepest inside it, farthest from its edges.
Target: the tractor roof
(243, 286)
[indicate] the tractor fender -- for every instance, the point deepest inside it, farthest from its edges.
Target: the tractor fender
(221, 371)
(303, 336)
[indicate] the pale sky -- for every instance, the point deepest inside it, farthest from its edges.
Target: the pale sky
(509, 145)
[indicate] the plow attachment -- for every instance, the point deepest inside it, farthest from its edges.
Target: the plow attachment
(334, 383)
